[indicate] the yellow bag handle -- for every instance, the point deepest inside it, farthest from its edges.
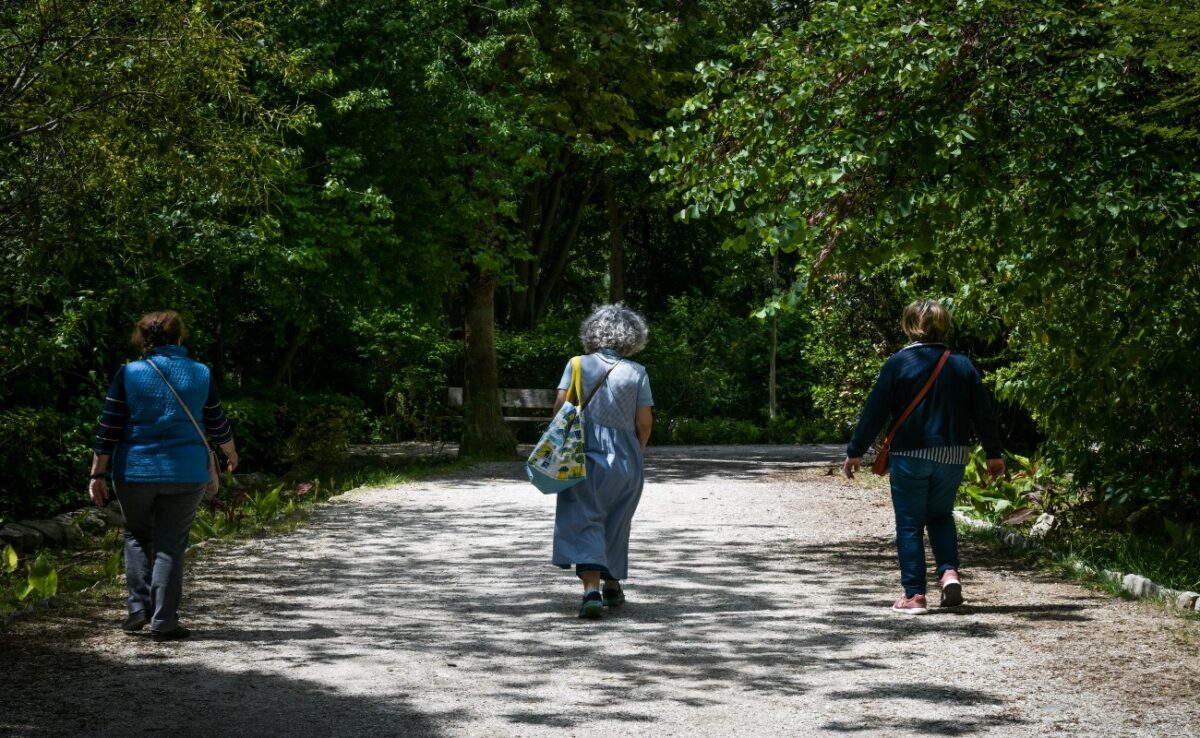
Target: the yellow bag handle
(576, 387)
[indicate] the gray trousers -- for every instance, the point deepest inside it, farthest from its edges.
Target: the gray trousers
(158, 519)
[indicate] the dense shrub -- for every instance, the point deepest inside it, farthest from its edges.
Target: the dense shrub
(705, 361)
(257, 431)
(45, 455)
(412, 362)
(32, 452)
(854, 327)
(279, 428)
(537, 358)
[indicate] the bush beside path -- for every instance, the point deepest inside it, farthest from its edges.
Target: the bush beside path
(758, 606)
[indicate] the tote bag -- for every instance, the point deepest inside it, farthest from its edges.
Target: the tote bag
(558, 462)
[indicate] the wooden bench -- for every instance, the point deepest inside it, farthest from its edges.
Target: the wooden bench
(527, 400)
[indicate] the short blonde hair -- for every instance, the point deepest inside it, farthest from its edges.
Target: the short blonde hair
(926, 321)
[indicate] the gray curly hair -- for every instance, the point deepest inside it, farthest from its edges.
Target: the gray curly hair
(614, 327)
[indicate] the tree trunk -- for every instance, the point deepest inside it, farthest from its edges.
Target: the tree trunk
(217, 360)
(771, 380)
(284, 370)
(520, 305)
(616, 244)
(552, 276)
(484, 431)
(774, 333)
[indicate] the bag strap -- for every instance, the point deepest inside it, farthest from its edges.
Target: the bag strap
(182, 404)
(576, 387)
(887, 442)
(598, 385)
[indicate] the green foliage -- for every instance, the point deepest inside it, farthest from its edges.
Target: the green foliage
(670, 430)
(42, 579)
(709, 431)
(704, 361)
(278, 428)
(1177, 567)
(9, 559)
(537, 358)
(323, 431)
(258, 431)
(114, 565)
(1029, 488)
(133, 156)
(854, 327)
(33, 444)
(265, 506)
(1032, 161)
(412, 360)
(1183, 537)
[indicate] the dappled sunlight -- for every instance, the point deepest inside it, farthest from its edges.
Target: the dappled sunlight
(431, 608)
(415, 578)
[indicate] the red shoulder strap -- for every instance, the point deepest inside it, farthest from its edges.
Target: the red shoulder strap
(887, 442)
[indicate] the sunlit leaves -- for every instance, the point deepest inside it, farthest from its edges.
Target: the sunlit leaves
(1032, 159)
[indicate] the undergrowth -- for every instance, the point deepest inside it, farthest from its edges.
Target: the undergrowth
(1081, 530)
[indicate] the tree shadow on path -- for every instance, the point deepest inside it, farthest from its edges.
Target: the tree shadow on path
(394, 609)
(706, 620)
(162, 694)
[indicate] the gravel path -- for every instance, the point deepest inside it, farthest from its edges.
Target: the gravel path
(758, 606)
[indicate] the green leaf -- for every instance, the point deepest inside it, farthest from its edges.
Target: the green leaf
(115, 564)
(9, 558)
(42, 576)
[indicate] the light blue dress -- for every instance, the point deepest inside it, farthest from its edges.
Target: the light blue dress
(592, 522)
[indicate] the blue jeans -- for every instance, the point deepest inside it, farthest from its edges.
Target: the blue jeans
(923, 497)
(158, 519)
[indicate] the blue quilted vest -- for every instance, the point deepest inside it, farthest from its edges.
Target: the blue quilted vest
(159, 443)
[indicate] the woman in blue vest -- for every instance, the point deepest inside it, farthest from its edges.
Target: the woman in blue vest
(593, 518)
(930, 450)
(159, 465)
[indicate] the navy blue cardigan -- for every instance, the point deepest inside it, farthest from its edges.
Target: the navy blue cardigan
(956, 402)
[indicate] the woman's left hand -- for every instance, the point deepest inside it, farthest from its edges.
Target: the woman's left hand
(98, 491)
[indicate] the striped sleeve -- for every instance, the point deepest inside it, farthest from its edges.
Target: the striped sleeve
(114, 417)
(215, 422)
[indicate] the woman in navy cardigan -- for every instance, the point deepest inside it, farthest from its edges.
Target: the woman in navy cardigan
(930, 451)
(159, 466)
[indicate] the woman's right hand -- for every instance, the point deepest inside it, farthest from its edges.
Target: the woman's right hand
(851, 465)
(98, 491)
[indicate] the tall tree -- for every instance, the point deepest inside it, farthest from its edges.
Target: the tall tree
(133, 152)
(537, 96)
(1036, 160)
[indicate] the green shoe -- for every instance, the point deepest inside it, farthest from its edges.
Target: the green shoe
(613, 597)
(593, 605)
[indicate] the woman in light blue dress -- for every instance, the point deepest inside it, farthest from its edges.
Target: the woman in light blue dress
(592, 523)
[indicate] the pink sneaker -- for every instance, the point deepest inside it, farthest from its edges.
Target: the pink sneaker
(914, 605)
(951, 589)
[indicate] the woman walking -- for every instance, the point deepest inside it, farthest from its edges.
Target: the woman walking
(929, 449)
(592, 522)
(159, 465)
